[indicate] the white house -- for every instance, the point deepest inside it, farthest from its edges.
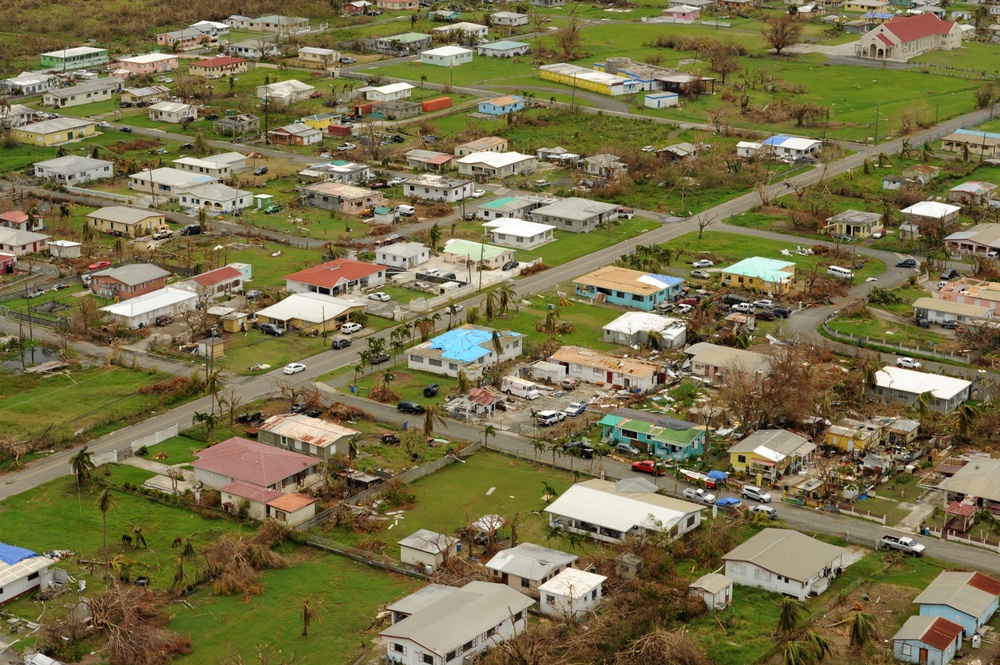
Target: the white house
(492, 165)
(791, 147)
(22, 570)
(405, 255)
(254, 463)
(511, 19)
(571, 594)
(336, 277)
(895, 384)
(661, 100)
(469, 348)
(73, 170)
(216, 198)
(503, 49)
(519, 234)
(634, 328)
(142, 311)
(65, 249)
(217, 166)
(175, 112)
(632, 374)
(470, 29)
(425, 549)
(453, 623)
(290, 508)
(438, 188)
(253, 48)
(388, 93)
(785, 562)
(287, 92)
(715, 589)
(30, 83)
(526, 567)
(446, 56)
(167, 182)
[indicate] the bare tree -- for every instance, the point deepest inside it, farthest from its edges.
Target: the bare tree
(782, 31)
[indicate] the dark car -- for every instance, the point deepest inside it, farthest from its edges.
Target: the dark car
(389, 439)
(212, 116)
(950, 325)
(410, 407)
(906, 263)
(781, 312)
(127, 130)
(379, 359)
(950, 273)
(582, 448)
(340, 343)
(260, 170)
(187, 146)
(765, 314)
(164, 320)
(271, 329)
(126, 105)
(191, 230)
(431, 390)
(510, 265)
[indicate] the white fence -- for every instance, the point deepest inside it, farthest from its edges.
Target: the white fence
(668, 19)
(101, 195)
(114, 456)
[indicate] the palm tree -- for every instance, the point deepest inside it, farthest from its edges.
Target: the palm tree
(505, 296)
(863, 629)
(463, 382)
(967, 414)
(82, 464)
(138, 536)
(106, 502)
(359, 369)
(177, 585)
(924, 401)
(556, 448)
(791, 615)
(308, 615)
(405, 330)
(452, 311)
(434, 236)
(398, 346)
(432, 417)
(654, 340)
(547, 490)
(121, 568)
(539, 446)
(490, 305)
(489, 431)
(472, 315)
(387, 379)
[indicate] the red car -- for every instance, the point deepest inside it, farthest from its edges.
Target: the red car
(99, 265)
(647, 466)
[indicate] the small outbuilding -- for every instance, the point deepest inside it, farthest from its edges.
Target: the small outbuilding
(715, 589)
(927, 640)
(426, 548)
(571, 594)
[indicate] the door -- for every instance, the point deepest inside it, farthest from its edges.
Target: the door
(611, 378)
(923, 656)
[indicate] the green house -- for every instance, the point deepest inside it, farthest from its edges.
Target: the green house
(662, 436)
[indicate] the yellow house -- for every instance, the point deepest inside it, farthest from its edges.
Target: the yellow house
(770, 453)
(866, 6)
(54, 132)
(847, 435)
(125, 222)
(587, 79)
(320, 121)
(761, 274)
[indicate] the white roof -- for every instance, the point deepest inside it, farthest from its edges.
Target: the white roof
(517, 227)
(463, 25)
(23, 568)
(930, 209)
(392, 87)
(150, 302)
(309, 307)
(171, 107)
(316, 51)
(530, 561)
(445, 51)
(494, 160)
(172, 177)
(216, 191)
(797, 143)
(428, 541)
(633, 322)
(282, 87)
(17, 237)
(917, 383)
(28, 78)
(405, 249)
(72, 164)
(73, 52)
(148, 57)
(572, 582)
(598, 502)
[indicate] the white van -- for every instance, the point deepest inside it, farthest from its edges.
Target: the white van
(405, 211)
(515, 386)
(842, 273)
(547, 418)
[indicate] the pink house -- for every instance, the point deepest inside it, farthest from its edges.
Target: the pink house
(682, 13)
(149, 63)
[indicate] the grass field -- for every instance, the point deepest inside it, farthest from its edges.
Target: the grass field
(570, 246)
(178, 450)
(880, 330)
(587, 319)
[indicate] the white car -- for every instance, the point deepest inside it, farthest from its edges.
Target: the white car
(767, 510)
(350, 328)
(699, 495)
(763, 304)
(648, 148)
(684, 309)
(346, 146)
(541, 183)
(478, 193)
(702, 263)
(396, 181)
(104, 125)
(294, 368)
(908, 363)
(380, 297)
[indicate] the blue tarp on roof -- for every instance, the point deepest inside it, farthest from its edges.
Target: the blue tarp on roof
(464, 344)
(775, 140)
(971, 132)
(11, 555)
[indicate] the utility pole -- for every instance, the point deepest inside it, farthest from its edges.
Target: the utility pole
(878, 108)
(267, 108)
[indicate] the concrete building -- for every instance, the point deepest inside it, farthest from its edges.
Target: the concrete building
(785, 562)
(314, 312)
(518, 233)
(388, 93)
(142, 311)
(175, 112)
(503, 49)
(770, 453)
(936, 310)
(217, 166)
(588, 79)
(713, 362)
(405, 255)
(29, 83)
(446, 56)
(971, 291)
(492, 165)
(149, 94)
(761, 274)
(347, 199)
(149, 63)
(337, 277)
(19, 243)
(509, 19)
(295, 134)
(79, 57)
(54, 132)
(470, 30)
(932, 213)
(123, 221)
(167, 183)
(571, 594)
(216, 198)
(906, 37)
(895, 384)
(501, 106)
(468, 348)
(438, 188)
(981, 239)
(284, 93)
(23, 571)
(528, 566)
(484, 144)
(475, 255)
(223, 65)
(627, 288)
(854, 224)
(253, 49)
(428, 160)
(427, 549)
(630, 374)
(406, 43)
(972, 192)
(575, 214)
(73, 170)
(254, 463)
(98, 90)
(657, 435)
(128, 281)
(311, 56)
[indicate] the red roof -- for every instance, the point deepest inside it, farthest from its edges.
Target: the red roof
(983, 583)
(961, 509)
(441, 159)
(329, 274)
(482, 396)
(941, 634)
(252, 492)
(221, 61)
(223, 274)
(252, 462)
(912, 28)
(291, 502)
(885, 40)
(14, 216)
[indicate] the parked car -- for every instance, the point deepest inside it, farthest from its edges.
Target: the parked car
(410, 407)
(908, 363)
(703, 263)
(345, 60)
(350, 328)
(379, 359)
(542, 183)
(433, 272)
(648, 148)
(701, 274)
(429, 138)
(343, 147)
(431, 390)
(478, 193)
(573, 409)
(626, 448)
(583, 449)
(756, 493)
(163, 320)
(272, 209)
(906, 263)
(763, 304)
(684, 309)
(783, 312)
(950, 273)
(699, 495)
(191, 230)
(253, 294)
(340, 343)
(294, 368)
(730, 502)
(104, 125)
(766, 510)
(127, 130)
(549, 417)
(97, 265)
(950, 325)
(664, 307)
(569, 384)
(162, 232)
(35, 293)
(903, 544)
(647, 466)
(212, 116)
(765, 315)
(187, 146)
(271, 329)
(510, 265)
(260, 170)
(389, 439)
(396, 181)
(379, 296)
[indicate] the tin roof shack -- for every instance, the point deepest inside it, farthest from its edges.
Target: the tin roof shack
(427, 550)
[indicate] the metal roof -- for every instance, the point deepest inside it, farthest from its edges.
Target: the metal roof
(937, 632)
(917, 383)
(428, 541)
(475, 251)
(517, 227)
(774, 444)
(314, 431)
(134, 274)
(962, 592)
(252, 462)
(421, 598)
(727, 357)
(575, 208)
(979, 478)
(787, 553)
(599, 502)
(310, 308)
(467, 343)
(587, 358)
(151, 302)
(711, 582)
(123, 215)
(625, 279)
(17, 563)
(530, 561)
(72, 164)
(572, 582)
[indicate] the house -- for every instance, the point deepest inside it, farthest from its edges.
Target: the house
(405, 255)
(167, 182)
(713, 362)
(311, 311)
(970, 291)
(880, 6)
(341, 171)
(224, 65)
(678, 152)
(658, 435)
(20, 243)
(213, 28)
(791, 147)
(237, 125)
(310, 436)
(187, 39)
(484, 144)
(470, 30)
(217, 166)
(610, 512)
(493, 165)
(128, 281)
(347, 199)
(290, 508)
(854, 224)
(681, 14)
(627, 288)
(397, 5)
(938, 311)
(149, 63)
(321, 121)
(629, 374)
(399, 109)
(785, 562)
(238, 22)
(295, 134)
(15, 115)
(388, 93)
(518, 233)
(852, 435)
(406, 43)
(644, 76)
(287, 92)
(528, 566)
(587, 79)
(575, 214)
(922, 173)
(280, 25)
(428, 160)
(313, 56)
(894, 384)
(749, 149)
(437, 187)
(145, 95)
(22, 571)
(253, 48)
(54, 132)
(571, 594)
(605, 165)
(973, 143)
(175, 112)
(142, 311)
(512, 207)
(661, 100)
(254, 463)
(216, 198)
(336, 277)
(635, 328)
(901, 431)
(931, 212)
(65, 249)
(927, 640)
(225, 281)
(128, 222)
(503, 49)
(906, 37)
(770, 453)
(427, 549)
(446, 56)
(967, 599)
(476, 255)
(469, 348)
(761, 274)
(500, 106)
(454, 623)
(546, 3)
(508, 19)
(74, 58)
(8, 262)
(893, 182)
(29, 83)
(715, 589)
(22, 221)
(972, 192)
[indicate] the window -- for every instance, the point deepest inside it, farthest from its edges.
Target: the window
(525, 583)
(33, 576)
(398, 648)
(434, 362)
(416, 359)
(905, 649)
(517, 617)
(691, 520)
(549, 598)
(427, 658)
(742, 459)
(593, 594)
(468, 645)
(491, 632)
(451, 656)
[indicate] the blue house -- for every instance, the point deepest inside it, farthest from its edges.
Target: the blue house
(502, 105)
(930, 640)
(629, 288)
(662, 436)
(968, 599)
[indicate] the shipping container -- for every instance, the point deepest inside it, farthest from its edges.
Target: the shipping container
(338, 130)
(436, 104)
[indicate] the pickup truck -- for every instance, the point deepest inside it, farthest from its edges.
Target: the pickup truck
(699, 495)
(903, 544)
(161, 232)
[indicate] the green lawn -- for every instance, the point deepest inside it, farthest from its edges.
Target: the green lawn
(880, 330)
(908, 294)
(587, 319)
(178, 449)
(408, 383)
(403, 295)
(570, 246)
(245, 349)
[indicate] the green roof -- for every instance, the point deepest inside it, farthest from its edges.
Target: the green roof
(382, 210)
(758, 267)
(497, 203)
(474, 250)
(677, 437)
